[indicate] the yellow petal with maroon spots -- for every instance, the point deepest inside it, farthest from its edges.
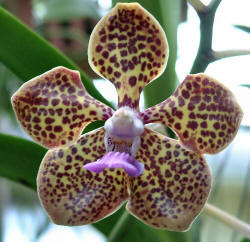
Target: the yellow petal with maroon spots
(203, 113)
(174, 185)
(129, 48)
(54, 107)
(71, 194)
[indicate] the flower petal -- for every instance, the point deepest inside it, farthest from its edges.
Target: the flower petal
(54, 107)
(72, 195)
(129, 48)
(174, 185)
(203, 113)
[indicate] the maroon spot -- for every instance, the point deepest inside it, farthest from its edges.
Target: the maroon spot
(58, 129)
(191, 115)
(110, 70)
(177, 126)
(122, 37)
(185, 94)
(130, 65)
(221, 134)
(149, 66)
(185, 134)
(55, 102)
(181, 101)
(44, 134)
(191, 107)
(36, 120)
(68, 167)
(93, 113)
(158, 52)
(176, 153)
(66, 102)
(204, 124)
(196, 84)
(74, 150)
(123, 53)
(202, 107)
(98, 48)
(212, 134)
(64, 78)
(158, 41)
(37, 127)
(52, 136)
(217, 125)
(132, 80)
(103, 39)
(105, 54)
(102, 31)
(121, 45)
(192, 125)
(150, 39)
(117, 74)
(101, 62)
(48, 128)
(113, 59)
(141, 46)
(49, 120)
(195, 99)
(69, 158)
(111, 46)
(153, 48)
(168, 173)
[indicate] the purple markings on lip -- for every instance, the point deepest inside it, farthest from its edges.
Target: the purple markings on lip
(117, 160)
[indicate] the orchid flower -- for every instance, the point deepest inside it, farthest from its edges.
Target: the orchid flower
(165, 181)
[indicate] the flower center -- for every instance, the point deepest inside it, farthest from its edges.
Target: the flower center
(123, 131)
(124, 124)
(121, 140)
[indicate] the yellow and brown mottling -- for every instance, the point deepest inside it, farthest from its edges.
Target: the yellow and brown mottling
(73, 195)
(129, 48)
(203, 113)
(54, 107)
(169, 194)
(174, 186)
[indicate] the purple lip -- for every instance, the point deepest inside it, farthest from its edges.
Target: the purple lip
(117, 160)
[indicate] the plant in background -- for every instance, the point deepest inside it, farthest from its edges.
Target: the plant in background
(83, 179)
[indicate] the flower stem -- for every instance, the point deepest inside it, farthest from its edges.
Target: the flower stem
(227, 219)
(121, 225)
(198, 5)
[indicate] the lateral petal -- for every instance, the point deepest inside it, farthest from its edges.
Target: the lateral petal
(72, 195)
(173, 187)
(203, 112)
(53, 108)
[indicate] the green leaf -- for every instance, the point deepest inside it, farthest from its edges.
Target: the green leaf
(245, 240)
(245, 85)
(243, 27)
(27, 55)
(20, 159)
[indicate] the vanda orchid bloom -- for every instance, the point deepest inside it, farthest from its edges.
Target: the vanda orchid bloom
(82, 179)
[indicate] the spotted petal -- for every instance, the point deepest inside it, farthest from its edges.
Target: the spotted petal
(203, 113)
(71, 194)
(129, 48)
(174, 185)
(54, 107)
